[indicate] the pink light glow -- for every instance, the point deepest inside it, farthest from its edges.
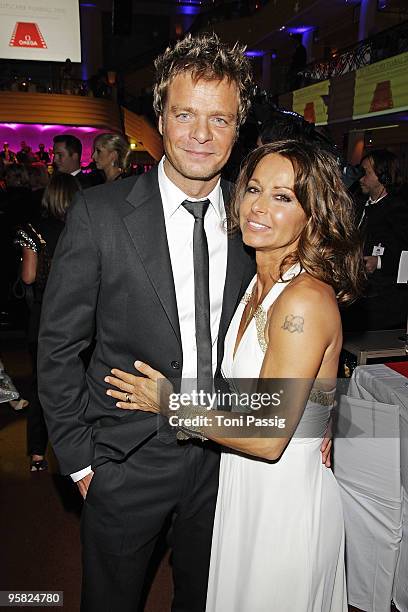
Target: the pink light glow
(36, 133)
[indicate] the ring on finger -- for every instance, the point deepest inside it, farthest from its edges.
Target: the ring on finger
(128, 397)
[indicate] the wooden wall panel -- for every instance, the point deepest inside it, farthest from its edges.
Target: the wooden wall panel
(139, 129)
(24, 107)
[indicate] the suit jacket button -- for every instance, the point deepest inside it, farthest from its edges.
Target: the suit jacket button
(175, 365)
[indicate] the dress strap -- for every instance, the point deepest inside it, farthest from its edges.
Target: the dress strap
(247, 295)
(278, 287)
(260, 314)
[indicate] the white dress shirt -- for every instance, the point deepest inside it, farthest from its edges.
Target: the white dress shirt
(179, 228)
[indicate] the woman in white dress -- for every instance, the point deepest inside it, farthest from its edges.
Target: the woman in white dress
(278, 540)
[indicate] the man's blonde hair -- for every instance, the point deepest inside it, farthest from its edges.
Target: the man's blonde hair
(204, 57)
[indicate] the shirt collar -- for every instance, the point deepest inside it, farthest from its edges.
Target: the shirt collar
(75, 172)
(371, 201)
(173, 197)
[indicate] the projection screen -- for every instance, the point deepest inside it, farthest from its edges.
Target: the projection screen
(45, 30)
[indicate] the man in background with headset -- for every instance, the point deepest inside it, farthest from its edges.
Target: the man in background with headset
(384, 228)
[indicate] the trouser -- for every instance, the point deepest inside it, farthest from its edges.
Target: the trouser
(126, 507)
(37, 433)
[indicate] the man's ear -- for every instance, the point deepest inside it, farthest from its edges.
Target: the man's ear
(161, 124)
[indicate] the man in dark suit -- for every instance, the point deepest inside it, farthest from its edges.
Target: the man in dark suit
(67, 158)
(125, 270)
(384, 229)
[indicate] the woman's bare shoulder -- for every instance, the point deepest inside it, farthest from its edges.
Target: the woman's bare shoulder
(307, 290)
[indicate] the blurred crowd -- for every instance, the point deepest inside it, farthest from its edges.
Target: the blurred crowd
(25, 177)
(36, 190)
(63, 80)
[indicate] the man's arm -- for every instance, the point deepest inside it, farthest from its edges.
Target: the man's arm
(67, 328)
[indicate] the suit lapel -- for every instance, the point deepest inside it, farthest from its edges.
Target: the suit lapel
(146, 227)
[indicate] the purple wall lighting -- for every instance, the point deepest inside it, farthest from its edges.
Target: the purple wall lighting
(254, 53)
(36, 133)
(188, 10)
(300, 29)
(189, 7)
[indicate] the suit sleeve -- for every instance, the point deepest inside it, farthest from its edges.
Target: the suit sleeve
(395, 239)
(67, 328)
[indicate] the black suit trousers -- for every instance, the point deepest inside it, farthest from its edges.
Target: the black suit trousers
(127, 504)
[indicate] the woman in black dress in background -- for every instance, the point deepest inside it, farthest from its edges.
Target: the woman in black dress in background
(38, 241)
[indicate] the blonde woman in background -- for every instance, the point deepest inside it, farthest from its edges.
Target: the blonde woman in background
(111, 155)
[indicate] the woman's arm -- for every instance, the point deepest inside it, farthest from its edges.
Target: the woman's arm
(28, 266)
(302, 326)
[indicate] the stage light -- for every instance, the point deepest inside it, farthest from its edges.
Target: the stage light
(254, 53)
(300, 29)
(188, 9)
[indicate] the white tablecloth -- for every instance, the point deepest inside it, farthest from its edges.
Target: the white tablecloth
(371, 466)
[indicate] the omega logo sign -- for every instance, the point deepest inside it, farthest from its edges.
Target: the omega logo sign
(27, 34)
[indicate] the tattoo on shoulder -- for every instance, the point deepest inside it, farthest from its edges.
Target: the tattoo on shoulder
(293, 323)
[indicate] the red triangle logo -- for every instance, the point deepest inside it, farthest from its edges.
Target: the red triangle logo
(27, 35)
(309, 112)
(382, 98)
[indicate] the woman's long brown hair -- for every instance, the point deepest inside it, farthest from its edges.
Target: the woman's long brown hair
(329, 248)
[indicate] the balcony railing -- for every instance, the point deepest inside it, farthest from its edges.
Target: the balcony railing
(384, 44)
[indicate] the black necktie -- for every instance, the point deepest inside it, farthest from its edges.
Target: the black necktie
(202, 295)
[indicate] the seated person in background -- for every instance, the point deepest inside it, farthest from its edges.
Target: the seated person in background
(8, 156)
(384, 230)
(22, 153)
(42, 154)
(8, 392)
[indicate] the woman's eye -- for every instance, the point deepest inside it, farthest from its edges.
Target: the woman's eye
(251, 189)
(283, 197)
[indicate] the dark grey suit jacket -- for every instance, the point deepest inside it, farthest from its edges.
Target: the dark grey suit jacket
(111, 279)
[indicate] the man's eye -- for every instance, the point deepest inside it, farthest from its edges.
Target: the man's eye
(220, 121)
(183, 116)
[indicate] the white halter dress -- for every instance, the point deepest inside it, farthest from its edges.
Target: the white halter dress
(278, 540)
